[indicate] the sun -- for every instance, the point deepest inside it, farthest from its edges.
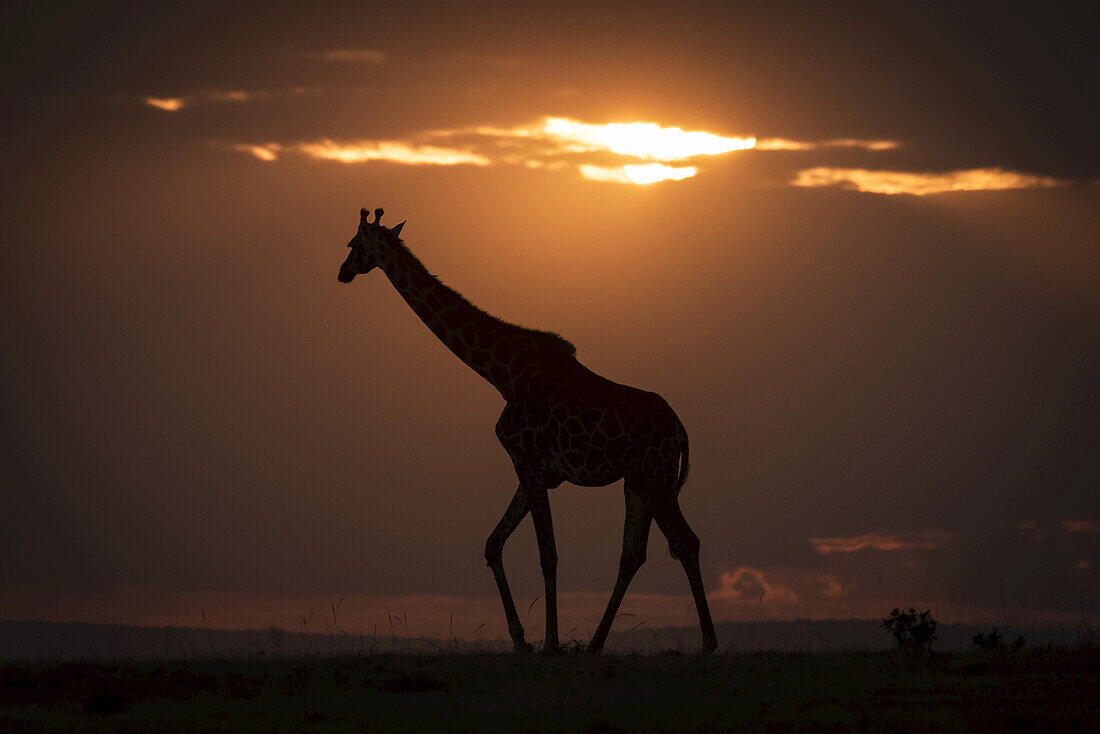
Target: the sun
(645, 140)
(649, 143)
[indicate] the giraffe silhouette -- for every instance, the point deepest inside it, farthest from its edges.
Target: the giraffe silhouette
(561, 423)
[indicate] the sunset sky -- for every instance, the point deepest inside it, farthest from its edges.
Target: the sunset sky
(857, 248)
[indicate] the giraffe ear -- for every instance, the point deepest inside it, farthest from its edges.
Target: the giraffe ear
(397, 230)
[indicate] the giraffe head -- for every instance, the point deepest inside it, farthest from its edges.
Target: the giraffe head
(371, 236)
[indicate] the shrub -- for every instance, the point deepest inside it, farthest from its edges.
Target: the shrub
(992, 641)
(911, 631)
(995, 641)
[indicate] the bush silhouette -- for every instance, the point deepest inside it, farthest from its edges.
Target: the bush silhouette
(911, 631)
(995, 641)
(992, 641)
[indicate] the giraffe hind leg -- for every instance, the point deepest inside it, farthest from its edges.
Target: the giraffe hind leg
(494, 557)
(684, 546)
(635, 537)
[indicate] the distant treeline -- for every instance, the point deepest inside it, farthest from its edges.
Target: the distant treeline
(25, 640)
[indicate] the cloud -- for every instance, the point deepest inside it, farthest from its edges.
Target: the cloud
(784, 144)
(1033, 530)
(221, 96)
(629, 153)
(1081, 526)
(626, 153)
(920, 184)
(749, 584)
(392, 151)
(882, 541)
(834, 587)
(356, 56)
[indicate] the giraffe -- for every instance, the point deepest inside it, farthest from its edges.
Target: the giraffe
(561, 423)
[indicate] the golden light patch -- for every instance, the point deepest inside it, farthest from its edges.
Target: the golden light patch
(920, 184)
(168, 104)
(644, 140)
(637, 174)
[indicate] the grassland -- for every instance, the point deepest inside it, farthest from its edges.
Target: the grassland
(1051, 689)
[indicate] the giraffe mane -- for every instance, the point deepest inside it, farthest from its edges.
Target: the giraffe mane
(550, 338)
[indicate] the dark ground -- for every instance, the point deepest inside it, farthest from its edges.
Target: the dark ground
(1038, 689)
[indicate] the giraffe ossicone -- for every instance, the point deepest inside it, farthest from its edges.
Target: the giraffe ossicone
(561, 423)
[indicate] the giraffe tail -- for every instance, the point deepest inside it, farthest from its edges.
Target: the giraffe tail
(683, 476)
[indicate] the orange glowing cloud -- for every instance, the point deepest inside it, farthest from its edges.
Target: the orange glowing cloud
(267, 152)
(221, 96)
(646, 152)
(745, 584)
(834, 587)
(885, 542)
(168, 104)
(1081, 526)
(920, 184)
(554, 143)
(784, 144)
(390, 150)
(365, 151)
(1032, 529)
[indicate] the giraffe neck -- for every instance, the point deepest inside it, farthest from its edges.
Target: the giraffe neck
(506, 355)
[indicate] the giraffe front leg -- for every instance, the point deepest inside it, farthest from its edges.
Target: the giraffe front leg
(548, 559)
(494, 556)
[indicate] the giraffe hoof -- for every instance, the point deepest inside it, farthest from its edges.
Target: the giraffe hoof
(552, 649)
(524, 647)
